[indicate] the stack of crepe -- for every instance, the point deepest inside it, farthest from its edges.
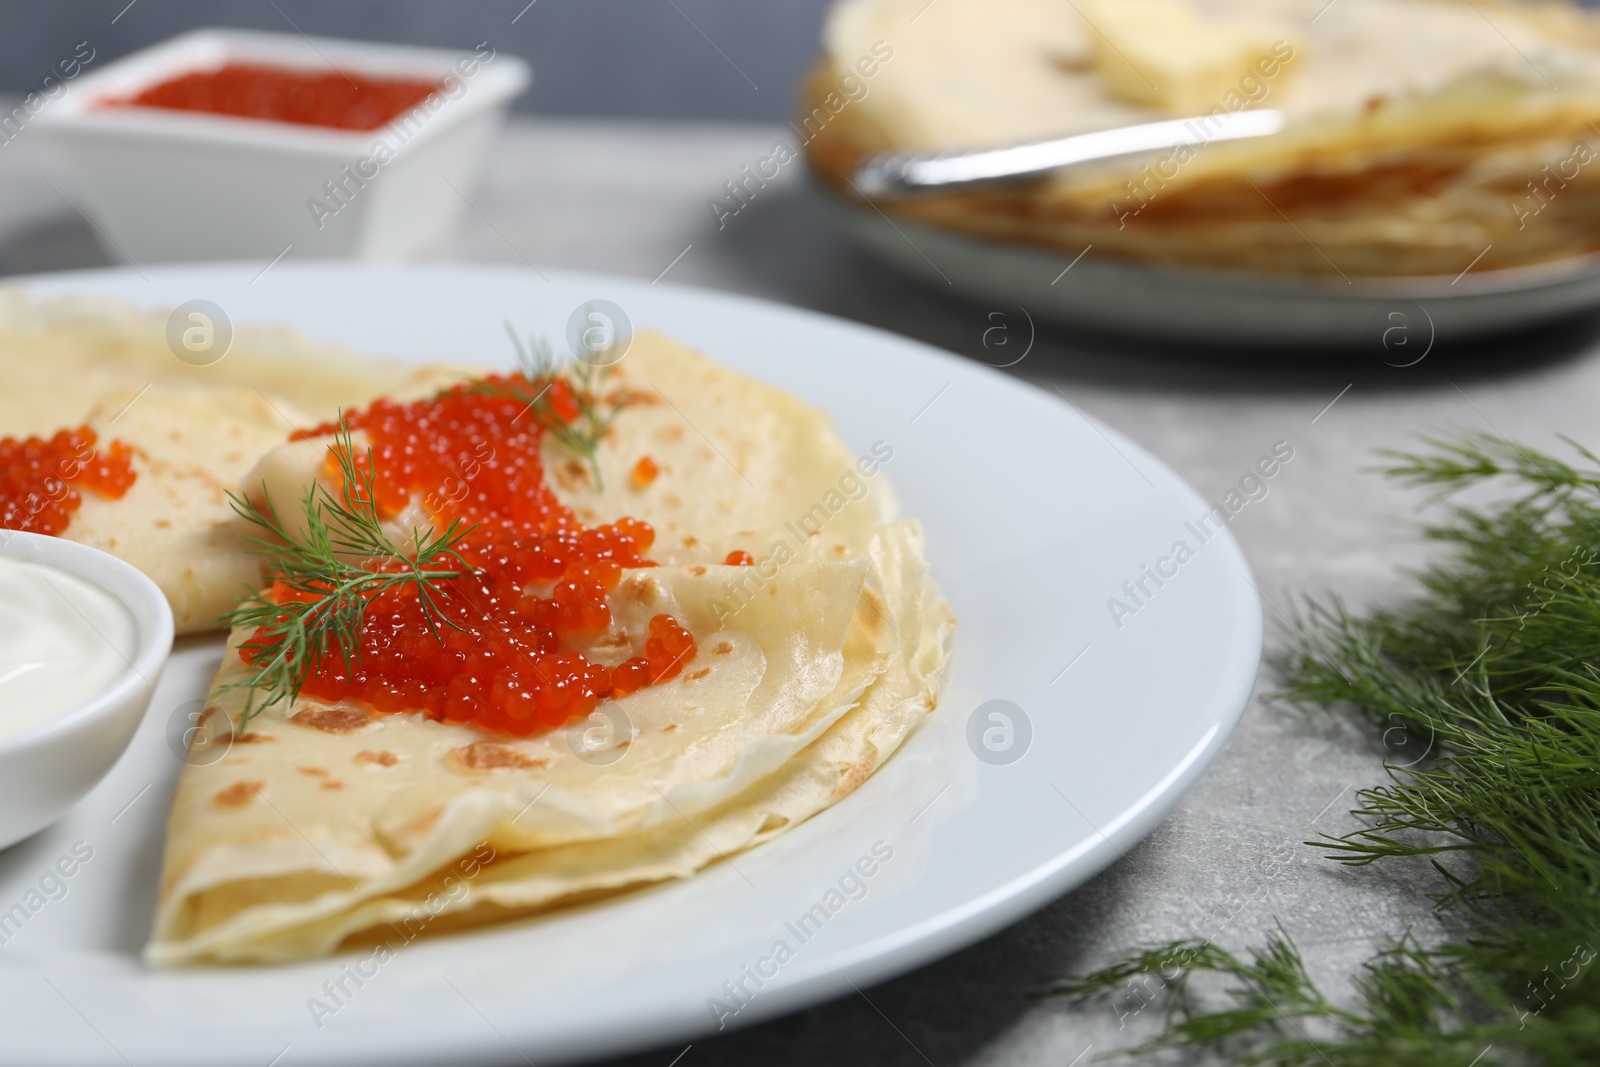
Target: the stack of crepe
(1422, 137)
(328, 825)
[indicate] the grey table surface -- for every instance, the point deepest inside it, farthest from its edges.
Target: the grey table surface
(1228, 863)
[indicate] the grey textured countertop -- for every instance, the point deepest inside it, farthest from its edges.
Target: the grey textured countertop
(1227, 863)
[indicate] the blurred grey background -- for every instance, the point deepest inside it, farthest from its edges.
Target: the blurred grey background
(684, 59)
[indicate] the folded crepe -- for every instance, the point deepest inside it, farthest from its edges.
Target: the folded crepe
(329, 825)
(1421, 136)
(195, 431)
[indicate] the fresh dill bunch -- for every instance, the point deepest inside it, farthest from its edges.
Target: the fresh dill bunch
(1495, 670)
(328, 573)
(582, 426)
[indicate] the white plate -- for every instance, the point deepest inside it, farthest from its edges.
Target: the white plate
(1034, 517)
(1398, 319)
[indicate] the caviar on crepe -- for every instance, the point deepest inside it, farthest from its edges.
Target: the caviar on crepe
(40, 477)
(537, 586)
(644, 472)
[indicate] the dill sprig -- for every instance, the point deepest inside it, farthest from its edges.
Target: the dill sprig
(342, 559)
(1494, 669)
(581, 430)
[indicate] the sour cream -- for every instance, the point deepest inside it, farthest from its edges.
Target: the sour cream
(63, 641)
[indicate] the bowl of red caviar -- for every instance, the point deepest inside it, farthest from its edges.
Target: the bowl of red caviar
(232, 144)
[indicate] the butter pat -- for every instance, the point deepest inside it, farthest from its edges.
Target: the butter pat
(1171, 56)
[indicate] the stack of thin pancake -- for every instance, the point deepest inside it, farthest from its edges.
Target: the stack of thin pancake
(330, 824)
(1421, 134)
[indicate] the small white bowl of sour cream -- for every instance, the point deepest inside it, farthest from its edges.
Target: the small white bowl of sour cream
(83, 638)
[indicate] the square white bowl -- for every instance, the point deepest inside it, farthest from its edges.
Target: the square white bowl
(163, 184)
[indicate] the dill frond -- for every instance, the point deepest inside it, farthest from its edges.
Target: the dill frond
(594, 411)
(1496, 664)
(325, 576)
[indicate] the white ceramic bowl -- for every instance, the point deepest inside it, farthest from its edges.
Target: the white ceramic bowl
(162, 184)
(47, 768)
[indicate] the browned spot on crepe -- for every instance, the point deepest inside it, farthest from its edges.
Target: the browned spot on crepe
(872, 620)
(332, 720)
(421, 826)
(722, 649)
(238, 794)
(316, 772)
(253, 738)
(381, 757)
(640, 590)
(493, 756)
(699, 674)
(854, 775)
(614, 639)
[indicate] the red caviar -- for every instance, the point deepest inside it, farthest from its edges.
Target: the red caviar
(345, 100)
(40, 477)
(644, 472)
(538, 585)
(740, 558)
